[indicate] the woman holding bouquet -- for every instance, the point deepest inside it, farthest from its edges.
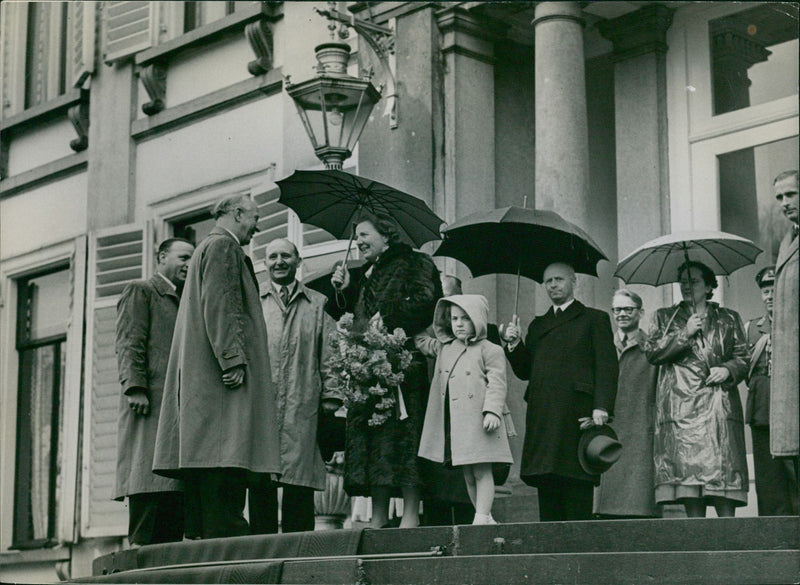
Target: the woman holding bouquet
(401, 286)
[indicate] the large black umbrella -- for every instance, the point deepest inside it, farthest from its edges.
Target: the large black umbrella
(520, 241)
(334, 200)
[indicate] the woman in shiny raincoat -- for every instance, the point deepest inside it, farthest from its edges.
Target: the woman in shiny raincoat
(699, 447)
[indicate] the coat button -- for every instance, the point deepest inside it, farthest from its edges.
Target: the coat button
(467, 372)
(470, 395)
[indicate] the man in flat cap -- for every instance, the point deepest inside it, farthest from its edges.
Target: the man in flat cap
(776, 486)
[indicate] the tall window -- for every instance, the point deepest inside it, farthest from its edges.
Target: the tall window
(45, 55)
(196, 14)
(42, 315)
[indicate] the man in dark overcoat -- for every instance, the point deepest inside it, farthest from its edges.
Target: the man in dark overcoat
(146, 314)
(627, 490)
(776, 485)
(218, 418)
(570, 362)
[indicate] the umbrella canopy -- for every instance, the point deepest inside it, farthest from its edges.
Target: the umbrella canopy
(657, 261)
(517, 240)
(333, 200)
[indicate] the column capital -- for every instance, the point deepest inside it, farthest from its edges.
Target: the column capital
(638, 33)
(730, 44)
(464, 34)
(545, 11)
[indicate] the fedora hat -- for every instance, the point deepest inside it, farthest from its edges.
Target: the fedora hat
(598, 449)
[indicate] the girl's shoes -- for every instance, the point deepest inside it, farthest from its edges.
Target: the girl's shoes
(483, 519)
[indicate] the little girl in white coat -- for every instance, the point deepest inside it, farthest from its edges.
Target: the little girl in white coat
(464, 423)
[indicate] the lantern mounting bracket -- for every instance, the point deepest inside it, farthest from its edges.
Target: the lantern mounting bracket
(381, 40)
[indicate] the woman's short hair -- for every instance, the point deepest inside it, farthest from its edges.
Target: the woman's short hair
(708, 275)
(385, 225)
(624, 292)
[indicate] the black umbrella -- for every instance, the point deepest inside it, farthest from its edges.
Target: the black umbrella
(520, 241)
(335, 200)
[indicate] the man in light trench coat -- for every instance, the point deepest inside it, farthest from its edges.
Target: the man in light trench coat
(297, 328)
(218, 419)
(784, 410)
(146, 314)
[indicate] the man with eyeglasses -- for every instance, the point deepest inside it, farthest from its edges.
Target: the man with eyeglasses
(626, 490)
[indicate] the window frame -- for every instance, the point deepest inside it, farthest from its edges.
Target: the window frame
(26, 343)
(71, 253)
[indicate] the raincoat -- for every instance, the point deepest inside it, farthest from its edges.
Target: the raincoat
(784, 422)
(699, 433)
(146, 314)
(203, 423)
(475, 374)
(298, 348)
(627, 488)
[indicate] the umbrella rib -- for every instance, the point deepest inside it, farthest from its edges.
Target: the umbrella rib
(647, 255)
(664, 264)
(732, 249)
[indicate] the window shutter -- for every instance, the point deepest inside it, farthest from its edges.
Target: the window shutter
(66, 526)
(129, 28)
(272, 223)
(80, 41)
(117, 256)
(13, 27)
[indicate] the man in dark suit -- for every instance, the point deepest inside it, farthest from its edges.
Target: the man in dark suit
(146, 314)
(570, 362)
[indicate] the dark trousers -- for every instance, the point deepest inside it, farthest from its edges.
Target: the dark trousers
(776, 478)
(155, 518)
(297, 508)
(563, 498)
(443, 513)
(215, 503)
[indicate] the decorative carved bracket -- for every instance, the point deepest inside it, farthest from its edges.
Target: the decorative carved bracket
(382, 42)
(79, 116)
(259, 35)
(154, 79)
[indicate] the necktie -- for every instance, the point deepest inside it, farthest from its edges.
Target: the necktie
(624, 340)
(558, 312)
(284, 294)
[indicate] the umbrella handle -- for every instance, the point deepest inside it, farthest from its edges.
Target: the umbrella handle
(516, 293)
(337, 293)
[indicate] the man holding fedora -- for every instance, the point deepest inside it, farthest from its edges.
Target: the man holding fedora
(569, 360)
(776, 487)
(627, 491)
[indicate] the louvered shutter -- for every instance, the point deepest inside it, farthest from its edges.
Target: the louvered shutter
(80, 41)
(129, 28)
(116, 257)
(273, 222)
(13, 27)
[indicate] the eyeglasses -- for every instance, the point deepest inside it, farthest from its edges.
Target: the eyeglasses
(624, 310)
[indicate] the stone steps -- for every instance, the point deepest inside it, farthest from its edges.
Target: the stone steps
(720, 550)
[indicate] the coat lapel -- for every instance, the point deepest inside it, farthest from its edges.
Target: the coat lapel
(550, 321)
(162, 287)
(787, 250)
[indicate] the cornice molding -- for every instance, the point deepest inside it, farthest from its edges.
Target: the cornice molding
(463, 34)
(204, 106)
(638, 33)
(68, 165)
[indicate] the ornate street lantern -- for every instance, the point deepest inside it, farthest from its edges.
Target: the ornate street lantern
(334, 106)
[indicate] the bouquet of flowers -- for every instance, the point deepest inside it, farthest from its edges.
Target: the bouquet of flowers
(367, 368)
